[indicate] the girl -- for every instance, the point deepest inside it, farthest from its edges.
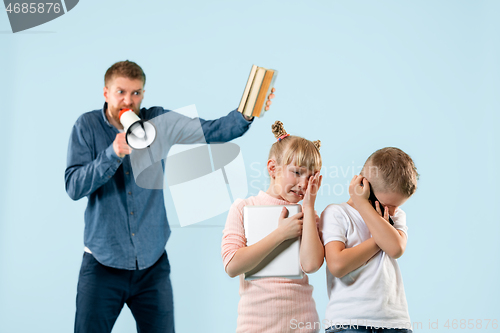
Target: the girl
(279, 304)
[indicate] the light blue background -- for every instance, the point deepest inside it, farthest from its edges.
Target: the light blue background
(358, 75)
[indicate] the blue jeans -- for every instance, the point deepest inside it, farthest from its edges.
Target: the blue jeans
(102, 292)
(364, 329)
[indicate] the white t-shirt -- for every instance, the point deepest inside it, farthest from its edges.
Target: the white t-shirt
(373, 294)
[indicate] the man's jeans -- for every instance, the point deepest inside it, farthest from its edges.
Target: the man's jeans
(102, 292)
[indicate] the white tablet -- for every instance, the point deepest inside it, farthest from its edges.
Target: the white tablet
(284, 261)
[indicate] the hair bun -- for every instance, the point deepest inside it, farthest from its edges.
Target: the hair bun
(317, 144)
(278, 129)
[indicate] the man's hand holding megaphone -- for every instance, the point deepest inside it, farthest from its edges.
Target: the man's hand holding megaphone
(138, 134)
(121, 146)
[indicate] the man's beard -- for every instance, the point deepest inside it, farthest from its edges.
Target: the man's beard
(114, 112)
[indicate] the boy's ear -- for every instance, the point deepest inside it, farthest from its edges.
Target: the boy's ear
(271, 168)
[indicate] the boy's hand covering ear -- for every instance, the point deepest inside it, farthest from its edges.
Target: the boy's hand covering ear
(359, 189)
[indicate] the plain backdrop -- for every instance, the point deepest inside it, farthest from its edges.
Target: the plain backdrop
(423, 76)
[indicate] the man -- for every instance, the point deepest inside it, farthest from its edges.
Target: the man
(126, 227)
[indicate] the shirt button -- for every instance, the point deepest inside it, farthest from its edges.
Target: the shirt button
(133, 234)
(131, 213)
(118, 161)
(127, 173)
(129, 193)
(109, 176)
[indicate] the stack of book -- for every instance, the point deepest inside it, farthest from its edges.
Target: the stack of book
(258, 88)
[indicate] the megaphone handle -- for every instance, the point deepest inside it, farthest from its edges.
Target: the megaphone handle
(145, 134)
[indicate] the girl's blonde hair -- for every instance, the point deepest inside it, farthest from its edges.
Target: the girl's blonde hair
(290, 148)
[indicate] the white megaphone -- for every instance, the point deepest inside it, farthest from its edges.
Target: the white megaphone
(140, 134)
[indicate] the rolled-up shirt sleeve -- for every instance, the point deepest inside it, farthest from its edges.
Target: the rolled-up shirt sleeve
(187, 130)
(84, 174)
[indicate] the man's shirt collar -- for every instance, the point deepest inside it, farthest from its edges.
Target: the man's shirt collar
(104, 109)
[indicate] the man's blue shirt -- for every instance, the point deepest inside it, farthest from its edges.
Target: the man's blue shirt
(125, 223)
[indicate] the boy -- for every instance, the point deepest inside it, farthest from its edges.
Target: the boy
(365, 286)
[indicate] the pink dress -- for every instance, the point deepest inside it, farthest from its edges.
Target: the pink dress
(276, 305)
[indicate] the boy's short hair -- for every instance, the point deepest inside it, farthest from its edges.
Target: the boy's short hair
(395, 170)
(128, 69)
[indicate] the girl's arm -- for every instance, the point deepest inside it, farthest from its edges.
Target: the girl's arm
(341, 261)
(311, 247)
(248, 257)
